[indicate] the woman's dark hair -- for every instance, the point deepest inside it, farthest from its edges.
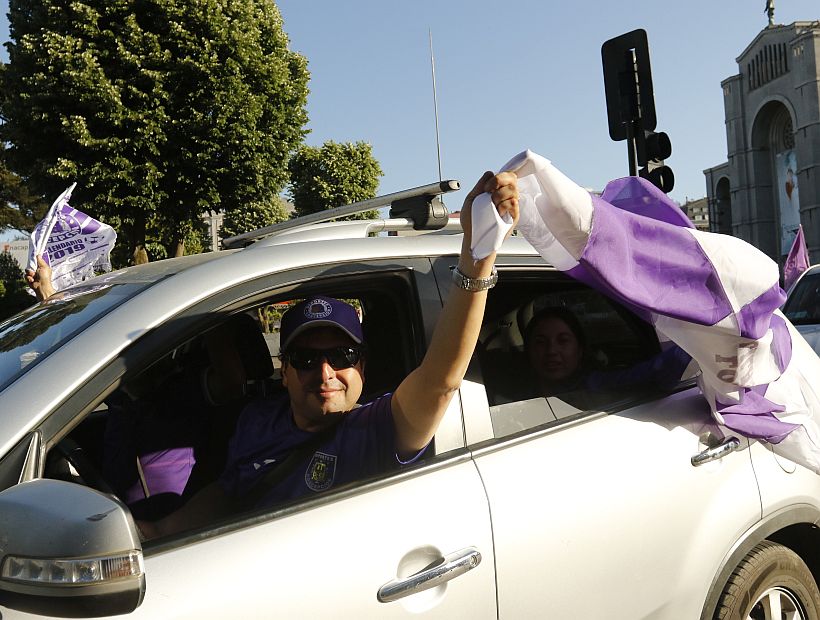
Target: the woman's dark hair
(563, 314)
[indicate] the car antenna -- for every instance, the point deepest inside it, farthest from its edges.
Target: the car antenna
(435, 101)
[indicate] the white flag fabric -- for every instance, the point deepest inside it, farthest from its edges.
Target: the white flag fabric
(75, 245)
(715, 296)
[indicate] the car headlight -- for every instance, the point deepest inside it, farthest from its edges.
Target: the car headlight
(71, 571)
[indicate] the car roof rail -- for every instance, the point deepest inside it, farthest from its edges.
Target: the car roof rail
(422, 205)
(353, 229)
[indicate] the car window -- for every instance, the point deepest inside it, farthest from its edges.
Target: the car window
(32, 335)
(803, 305)
(168, 413)
(528, 379)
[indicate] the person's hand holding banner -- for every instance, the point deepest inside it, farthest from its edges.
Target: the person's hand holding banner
(74, 245)
(39, 280)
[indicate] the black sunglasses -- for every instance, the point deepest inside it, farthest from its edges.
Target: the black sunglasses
(339, 358)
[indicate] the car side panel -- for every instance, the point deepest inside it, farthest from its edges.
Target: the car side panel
(330, 561)
(607, 518)
(782, 482)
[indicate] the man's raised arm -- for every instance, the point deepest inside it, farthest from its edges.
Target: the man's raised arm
(422, 398)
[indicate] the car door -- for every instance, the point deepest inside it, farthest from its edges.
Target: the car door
(417, 542)
(601, 513)
(331, 560)
(605, 516)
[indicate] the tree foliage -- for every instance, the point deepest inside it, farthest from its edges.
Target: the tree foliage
(255, 215)
(333, 175)
(161, 110)
(13, 296)
(11, 274)
(19, 210)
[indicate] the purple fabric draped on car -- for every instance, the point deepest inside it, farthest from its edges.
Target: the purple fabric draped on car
(715, 296)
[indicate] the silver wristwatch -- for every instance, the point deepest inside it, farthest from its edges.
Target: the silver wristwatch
(474, 284)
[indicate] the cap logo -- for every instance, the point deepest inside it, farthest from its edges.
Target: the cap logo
(318, 309)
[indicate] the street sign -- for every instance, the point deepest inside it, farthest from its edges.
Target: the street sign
(628, 83)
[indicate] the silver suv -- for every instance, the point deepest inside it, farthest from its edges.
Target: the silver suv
(523, 507)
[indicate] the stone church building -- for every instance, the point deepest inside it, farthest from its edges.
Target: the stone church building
(771, 181)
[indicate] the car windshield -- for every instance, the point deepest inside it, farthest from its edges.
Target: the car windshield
(29, 337)
(803, 305)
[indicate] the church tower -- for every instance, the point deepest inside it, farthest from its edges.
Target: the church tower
(771, 181)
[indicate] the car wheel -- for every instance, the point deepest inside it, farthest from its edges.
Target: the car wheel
(771, 582)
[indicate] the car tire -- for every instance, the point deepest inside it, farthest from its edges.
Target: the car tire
(770, 576)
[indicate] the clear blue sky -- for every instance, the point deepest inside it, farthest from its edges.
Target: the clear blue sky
(516, 75)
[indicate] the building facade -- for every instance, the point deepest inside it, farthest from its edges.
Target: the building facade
(18, 249)
(771, 182)
(698, 213)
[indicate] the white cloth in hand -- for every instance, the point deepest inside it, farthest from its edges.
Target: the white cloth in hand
(547, 198)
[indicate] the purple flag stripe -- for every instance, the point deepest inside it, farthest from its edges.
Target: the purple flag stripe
(633, 195)
(782, 345)
(763, 426)
(760, 390)
(580, 273)
(753, 318)
(653, 265)
(753, 416)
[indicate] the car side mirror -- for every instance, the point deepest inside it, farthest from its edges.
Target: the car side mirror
(67, 550)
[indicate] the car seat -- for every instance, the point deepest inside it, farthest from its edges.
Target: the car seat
(253, 351)
(210, 428)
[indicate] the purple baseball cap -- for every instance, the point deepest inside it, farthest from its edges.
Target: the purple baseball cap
(319, 311)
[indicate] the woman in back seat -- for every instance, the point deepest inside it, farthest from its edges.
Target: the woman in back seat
(560, 359)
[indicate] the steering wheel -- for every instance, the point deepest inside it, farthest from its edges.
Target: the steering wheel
(71, 451)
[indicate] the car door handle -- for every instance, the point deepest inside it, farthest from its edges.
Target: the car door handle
(437, 573)
(730, 444)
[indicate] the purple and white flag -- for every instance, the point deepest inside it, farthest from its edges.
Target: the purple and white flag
(715, 296)
(75, 245)
(797, 261)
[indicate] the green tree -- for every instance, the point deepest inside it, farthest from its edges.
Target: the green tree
(11, 274)
(334, 175)
(13, 296)
(257, 214)
(159, 109)
(19, 210)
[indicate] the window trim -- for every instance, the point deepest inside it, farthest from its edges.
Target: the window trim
(478, 422)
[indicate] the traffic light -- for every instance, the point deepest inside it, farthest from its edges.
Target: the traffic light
(630, 107)
(652, 148)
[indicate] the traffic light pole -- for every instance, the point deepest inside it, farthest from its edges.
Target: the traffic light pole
(630, 148)
(630, 104)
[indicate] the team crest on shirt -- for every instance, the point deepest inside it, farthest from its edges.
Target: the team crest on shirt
(321, 471)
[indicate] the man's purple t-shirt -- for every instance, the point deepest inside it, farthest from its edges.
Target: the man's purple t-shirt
(362, 445)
